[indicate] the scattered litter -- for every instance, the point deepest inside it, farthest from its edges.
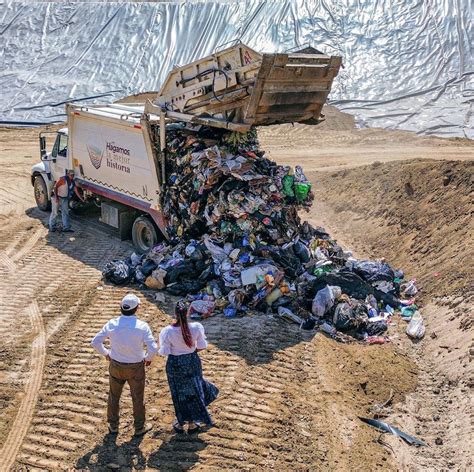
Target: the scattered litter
(379, 409)
(386, 428)
(408, 311)
(416, 329)
(409, 289)
(376, 340)
(160, 297)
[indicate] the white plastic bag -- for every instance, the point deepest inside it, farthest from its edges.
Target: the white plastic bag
(324, 300)
(416, 329)
(409, 289)
(218, 254)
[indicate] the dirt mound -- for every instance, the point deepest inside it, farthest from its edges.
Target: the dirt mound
(416, 213)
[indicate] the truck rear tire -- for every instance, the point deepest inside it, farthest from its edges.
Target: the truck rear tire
(41, 194)
(144, 234)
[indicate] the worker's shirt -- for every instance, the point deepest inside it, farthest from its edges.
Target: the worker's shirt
(127, 336)
(65, 188)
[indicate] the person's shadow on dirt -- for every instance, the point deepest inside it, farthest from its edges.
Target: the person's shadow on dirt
(178, 452)
(109, 456)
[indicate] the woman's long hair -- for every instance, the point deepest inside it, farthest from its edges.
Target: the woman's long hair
(181, 313)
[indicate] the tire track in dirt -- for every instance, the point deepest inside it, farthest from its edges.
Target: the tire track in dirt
(15, 196)
(29, 244)
(48, 265)
(6, 262)
(25, 412)
(73, 397)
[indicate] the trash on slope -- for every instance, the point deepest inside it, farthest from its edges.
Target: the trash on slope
(416, 328)
(386, 428)
(237, 244)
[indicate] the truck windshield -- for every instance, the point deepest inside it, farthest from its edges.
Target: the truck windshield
(62, 149)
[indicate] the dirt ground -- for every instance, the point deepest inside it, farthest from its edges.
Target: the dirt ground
(289, 400)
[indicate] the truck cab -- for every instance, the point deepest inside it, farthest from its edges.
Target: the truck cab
(52, 166)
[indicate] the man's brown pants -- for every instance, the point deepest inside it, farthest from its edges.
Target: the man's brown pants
(134, 375)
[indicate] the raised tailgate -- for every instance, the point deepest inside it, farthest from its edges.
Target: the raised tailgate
(291, 88)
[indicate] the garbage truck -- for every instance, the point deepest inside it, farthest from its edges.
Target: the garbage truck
(118, 151)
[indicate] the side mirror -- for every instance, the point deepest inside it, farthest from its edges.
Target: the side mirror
(42, 141)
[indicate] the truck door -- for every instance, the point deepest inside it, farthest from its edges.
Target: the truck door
(59, 156)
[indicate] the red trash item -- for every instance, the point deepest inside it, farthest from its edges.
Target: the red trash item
(376, 340)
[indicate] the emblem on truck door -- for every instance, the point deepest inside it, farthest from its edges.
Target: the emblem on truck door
(95, 155)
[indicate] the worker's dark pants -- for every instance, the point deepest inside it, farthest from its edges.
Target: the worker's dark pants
(134, 374)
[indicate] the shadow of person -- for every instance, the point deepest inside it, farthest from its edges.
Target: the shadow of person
(176, 453)
(108, 455)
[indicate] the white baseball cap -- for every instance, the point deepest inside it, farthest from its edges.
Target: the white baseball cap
(130, 301)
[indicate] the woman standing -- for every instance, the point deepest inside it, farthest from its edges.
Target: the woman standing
(191, 394)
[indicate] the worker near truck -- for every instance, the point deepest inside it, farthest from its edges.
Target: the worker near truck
(64, 189)
(127, 360)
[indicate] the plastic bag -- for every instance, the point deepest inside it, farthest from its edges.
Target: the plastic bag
(320, 255)
(156, 280)
(148, 267)
(190, 248)
(204, 307)
(376, 327)
(288, 182)
(409, 289)
(372, 271)
(302, 252)
(135, 259)
(408, 311)
(416, 328)
(301, 191)
(218, 254)
(118, 272)
(251, 275)
(299, 175)
(324, 300)
(343, 317)
(236, 298)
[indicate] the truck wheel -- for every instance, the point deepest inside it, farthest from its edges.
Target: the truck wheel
(41, 194)
(144, 234)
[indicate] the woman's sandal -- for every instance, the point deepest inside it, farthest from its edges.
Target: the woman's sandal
(195, 430)
(177, 428)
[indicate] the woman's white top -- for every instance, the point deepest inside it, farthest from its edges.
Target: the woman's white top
(172, 342)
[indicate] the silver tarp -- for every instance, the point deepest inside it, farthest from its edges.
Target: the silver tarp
(407, 64)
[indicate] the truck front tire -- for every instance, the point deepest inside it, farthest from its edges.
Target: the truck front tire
(41, 194)
(144, 234)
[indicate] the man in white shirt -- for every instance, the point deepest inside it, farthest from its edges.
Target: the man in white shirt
(127, 360)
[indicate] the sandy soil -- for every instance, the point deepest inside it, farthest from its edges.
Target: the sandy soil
(289, 400)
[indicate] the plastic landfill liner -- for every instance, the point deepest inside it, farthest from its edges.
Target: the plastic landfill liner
(407, 64)
(236, 244)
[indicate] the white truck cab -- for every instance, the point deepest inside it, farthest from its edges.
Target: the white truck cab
(52, 166)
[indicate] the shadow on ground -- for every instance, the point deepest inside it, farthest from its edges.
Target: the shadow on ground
(109, 456)
(180, 450)
(177, 449)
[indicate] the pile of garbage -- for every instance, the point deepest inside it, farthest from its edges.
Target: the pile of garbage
(237, 245)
